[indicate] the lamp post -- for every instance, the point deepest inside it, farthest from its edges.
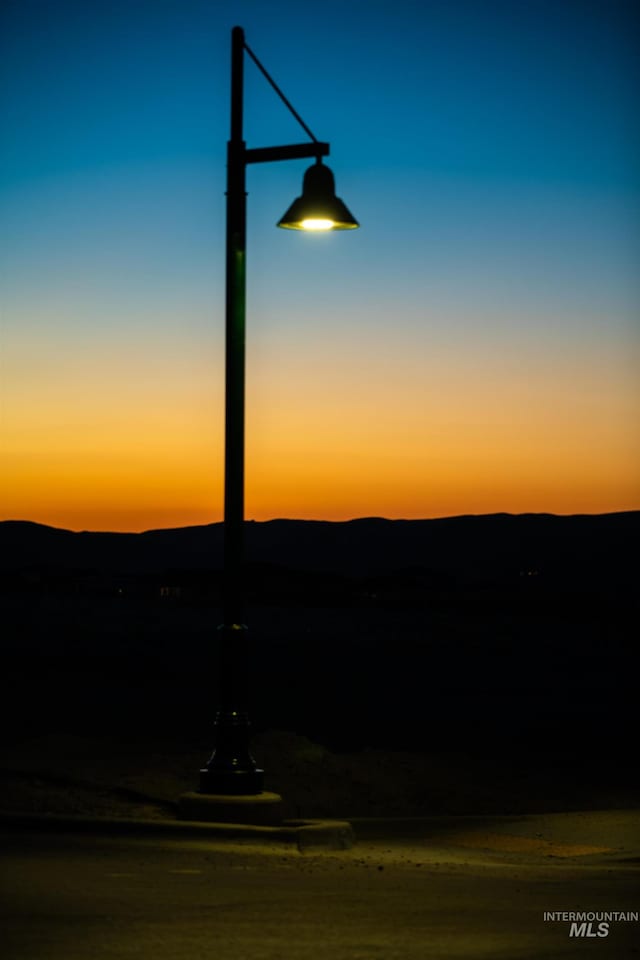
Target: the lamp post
(231, 769)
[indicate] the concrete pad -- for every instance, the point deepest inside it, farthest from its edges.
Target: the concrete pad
(301, 834)
(261, 809)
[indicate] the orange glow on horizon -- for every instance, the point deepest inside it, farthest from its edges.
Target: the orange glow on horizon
(382, 428)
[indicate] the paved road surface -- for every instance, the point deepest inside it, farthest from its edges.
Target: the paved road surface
(70, 897)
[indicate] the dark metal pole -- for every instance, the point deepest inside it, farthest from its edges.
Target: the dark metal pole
(232, 769)
(235, 344)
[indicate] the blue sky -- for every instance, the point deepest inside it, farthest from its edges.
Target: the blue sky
(489, 150)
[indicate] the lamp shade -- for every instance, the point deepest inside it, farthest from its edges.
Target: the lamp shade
(318, 208)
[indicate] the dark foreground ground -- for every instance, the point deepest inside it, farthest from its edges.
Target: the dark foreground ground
(71, 897)
(398, 696)
(394, 698)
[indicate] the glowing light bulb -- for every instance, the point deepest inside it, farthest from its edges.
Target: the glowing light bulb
(317, 224)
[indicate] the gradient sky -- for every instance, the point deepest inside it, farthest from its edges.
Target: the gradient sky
(473, 348)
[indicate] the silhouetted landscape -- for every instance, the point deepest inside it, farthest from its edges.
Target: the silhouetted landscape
(492, 548)
(509, 635)
(507, 644)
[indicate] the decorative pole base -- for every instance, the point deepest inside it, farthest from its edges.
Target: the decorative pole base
(231, 769)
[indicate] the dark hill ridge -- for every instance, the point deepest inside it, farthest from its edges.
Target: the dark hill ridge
(495, 546)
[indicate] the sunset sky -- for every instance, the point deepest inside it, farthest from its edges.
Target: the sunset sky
(473, 348)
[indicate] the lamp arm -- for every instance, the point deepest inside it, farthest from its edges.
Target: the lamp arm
(292, 151)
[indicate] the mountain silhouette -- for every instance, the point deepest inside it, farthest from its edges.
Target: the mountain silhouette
(581, 548)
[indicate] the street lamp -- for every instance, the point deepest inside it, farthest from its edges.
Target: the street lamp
(231, 769)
